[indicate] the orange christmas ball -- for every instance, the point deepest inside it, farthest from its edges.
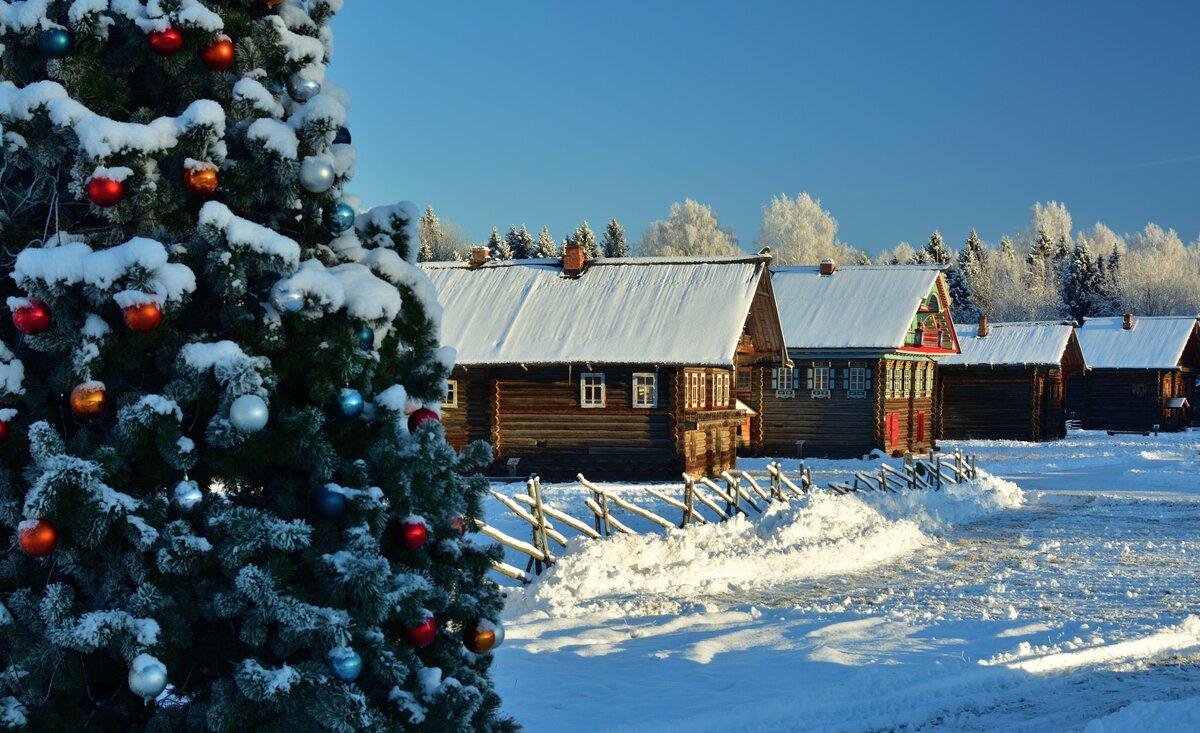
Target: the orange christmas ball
(88, 400)
(144, 317)
(482, 636)
(37, 537)
(200, 181)
(219, 55)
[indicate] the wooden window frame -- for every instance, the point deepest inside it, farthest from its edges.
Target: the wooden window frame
(781, 376)
(856, 375)
(597, 386)
(721, 393)
(451, 393)
(908, 380)
(930, 382)
(649, 379)
(744, 377)
(819, 377)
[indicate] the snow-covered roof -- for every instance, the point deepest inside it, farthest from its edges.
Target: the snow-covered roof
(1036, 343)
(667, 311)
(856, 308)
(1153, 342)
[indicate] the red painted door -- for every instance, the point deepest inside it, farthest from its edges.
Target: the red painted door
(920, 427)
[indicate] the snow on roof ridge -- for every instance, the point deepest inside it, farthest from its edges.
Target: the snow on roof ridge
(1155, 342)
(606, 261)
(1038, 343)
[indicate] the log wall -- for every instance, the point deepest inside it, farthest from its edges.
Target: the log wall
(1121, 399)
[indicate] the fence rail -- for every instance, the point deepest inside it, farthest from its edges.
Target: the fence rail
(741, 493)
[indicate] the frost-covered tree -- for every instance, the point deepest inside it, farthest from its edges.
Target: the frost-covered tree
(545, 245)
(1080, 282)
(440, 240)
(902, 254)
(1053, 221)
(936, 250)
(614, 243)
(800, 232)
(230, 524)
(1158, 275)
(973, 262)
(497, 246)
(585, 238)
(691, 228)
(519, 242)
(963, 307)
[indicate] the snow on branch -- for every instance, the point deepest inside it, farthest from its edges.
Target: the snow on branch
(140, 261)
(260, 684)
(233, 368)
(102, 137)
(242, 234)
(12, 372)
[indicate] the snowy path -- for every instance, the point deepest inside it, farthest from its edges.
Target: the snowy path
(915, 613)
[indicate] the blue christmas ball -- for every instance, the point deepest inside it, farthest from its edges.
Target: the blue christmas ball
(351, 402)
(286, 299)
(327, 504)
(342, 137)
(346, 664)
(339, 218)
(365, 337)
(54, 43)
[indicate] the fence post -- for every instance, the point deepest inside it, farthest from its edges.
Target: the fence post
(604, 511)
(534, 488)
(689, 489)
(733, 491)
(938, 475)
(974, 475)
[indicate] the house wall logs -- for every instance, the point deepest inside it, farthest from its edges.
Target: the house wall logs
(1010, 403)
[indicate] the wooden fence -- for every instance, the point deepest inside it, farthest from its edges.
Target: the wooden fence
(741, 492)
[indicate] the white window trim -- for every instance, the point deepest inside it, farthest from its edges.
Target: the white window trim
(650, 378)
(820, 382)
(583, 385)
(451, 393)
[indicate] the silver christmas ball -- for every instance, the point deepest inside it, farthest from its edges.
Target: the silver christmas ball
(302, 89)
(187, 495)
(248, 413)
(316, 175)
(147, 677)
(286, 299)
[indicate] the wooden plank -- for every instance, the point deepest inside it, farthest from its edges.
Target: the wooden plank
(788, 483)
(514, 543)
(716, 490)
(520, 512)
(871, 482)
(736, 485)
(644, 513)
(613, 521)
(561, 516)
(674, 502)
(754, 485)
(514, 573)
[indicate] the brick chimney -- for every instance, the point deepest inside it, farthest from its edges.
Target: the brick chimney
(1128, 323)
(828, 267)
(573, 260)
(983, 327)
(479, 256)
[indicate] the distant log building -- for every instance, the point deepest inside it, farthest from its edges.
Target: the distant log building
(1009, 381)
(864, 342)
(1141, 372)
(616, 368)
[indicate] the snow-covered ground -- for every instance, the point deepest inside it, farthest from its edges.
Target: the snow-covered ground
(1055, 595)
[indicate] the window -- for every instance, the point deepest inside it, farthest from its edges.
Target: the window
(721, 390)
(907, 380)
(451, 393)
(591, 389)
(743, 379)
(645, 389)
(818, 382)
(696, 386)
(929, 374)
(857, 381)
(784, 380)
(891, 380)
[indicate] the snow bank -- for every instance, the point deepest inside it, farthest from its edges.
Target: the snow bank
(820, 536)
(1146, 716)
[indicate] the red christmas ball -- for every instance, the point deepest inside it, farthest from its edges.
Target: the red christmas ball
(105, 192)
(33, 317)
(166, 42)
(37, 537)
(411, 533)
(144, 317)
(419, 416)
(3, 430)
(219, 55)
(422, 634)
(460, 523)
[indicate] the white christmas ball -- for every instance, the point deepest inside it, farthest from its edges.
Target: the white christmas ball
(248, 413)
(303, 89)
(187, 495)
(147, 677)
(316, 175)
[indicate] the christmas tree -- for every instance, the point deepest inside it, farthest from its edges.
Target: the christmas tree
(231, 508)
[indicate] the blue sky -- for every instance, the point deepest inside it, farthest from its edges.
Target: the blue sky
(900, 117)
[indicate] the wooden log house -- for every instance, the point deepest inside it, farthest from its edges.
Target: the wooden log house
(864, 342)
(1141, 372)
(616, 368)
(1009, 381)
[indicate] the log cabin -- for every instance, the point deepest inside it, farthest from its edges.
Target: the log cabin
(617, 368)
(1009, 381)
(1141, 372)
(864, 342)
